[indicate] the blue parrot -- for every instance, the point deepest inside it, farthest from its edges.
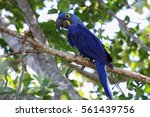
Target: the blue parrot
(88, 45)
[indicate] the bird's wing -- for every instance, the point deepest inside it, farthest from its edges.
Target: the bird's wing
(87, 43)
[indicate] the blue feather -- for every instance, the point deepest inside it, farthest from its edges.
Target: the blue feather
(103, 78)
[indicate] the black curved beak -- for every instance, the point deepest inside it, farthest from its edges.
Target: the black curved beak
(61, 23)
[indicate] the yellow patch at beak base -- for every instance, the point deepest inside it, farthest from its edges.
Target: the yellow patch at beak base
(68, 22)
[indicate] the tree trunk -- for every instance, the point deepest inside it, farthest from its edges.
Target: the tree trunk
(43, 64)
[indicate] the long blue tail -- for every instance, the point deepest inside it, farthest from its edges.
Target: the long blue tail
(103, 78)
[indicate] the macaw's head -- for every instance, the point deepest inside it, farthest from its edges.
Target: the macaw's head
(64, 20)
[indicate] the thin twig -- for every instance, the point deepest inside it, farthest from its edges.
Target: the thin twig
(20, 52)
(123, 26)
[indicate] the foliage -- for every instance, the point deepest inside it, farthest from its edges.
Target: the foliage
(124, 51)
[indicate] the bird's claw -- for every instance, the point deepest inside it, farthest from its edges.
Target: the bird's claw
(87, 58)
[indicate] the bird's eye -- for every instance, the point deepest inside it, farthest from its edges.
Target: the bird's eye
(67, 15)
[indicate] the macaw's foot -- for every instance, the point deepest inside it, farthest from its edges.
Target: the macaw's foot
(83, 56)
(89, 59)
(76, 55)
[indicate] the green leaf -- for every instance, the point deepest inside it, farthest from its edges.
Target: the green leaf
(75, 83)
(52, 11)
(63, 5)
(147, 88)
(115, 92)
(90, 25)
(127, 19)
(3, 66)
(130, 96)
(143, 54)
(27, 80)
(130, 84)
(39, 79)
(139, 92)
(45, 82)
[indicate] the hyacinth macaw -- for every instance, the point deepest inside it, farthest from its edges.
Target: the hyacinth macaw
(87, 44)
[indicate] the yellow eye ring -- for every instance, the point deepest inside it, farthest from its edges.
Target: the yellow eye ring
(67, 15)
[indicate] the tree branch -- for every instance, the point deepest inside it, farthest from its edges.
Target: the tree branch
(79, 60)
(123, 26)
(31, 19)
(94, 76)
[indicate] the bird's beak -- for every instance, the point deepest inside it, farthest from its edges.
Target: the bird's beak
(61, 23)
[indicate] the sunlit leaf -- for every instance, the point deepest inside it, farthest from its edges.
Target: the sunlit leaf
(52, 11)
(147, 88)
(63, 5)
